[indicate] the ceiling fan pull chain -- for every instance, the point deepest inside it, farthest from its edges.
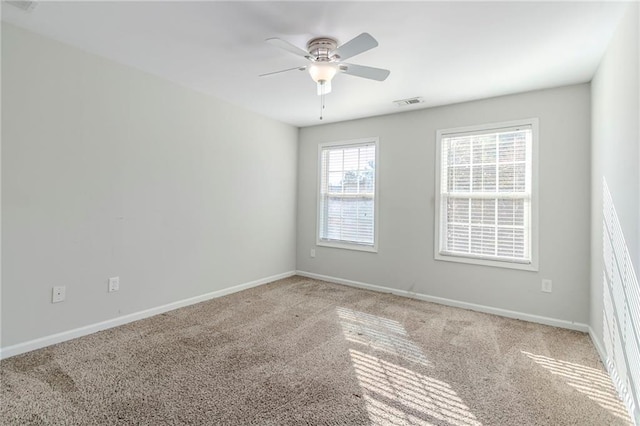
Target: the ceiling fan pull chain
(321, 105)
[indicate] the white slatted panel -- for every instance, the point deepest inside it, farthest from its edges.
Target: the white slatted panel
(621, 323)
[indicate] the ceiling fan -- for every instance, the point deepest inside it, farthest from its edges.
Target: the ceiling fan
(326, 59)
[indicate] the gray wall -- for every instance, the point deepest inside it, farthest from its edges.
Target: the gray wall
(110, 171)
(406, 220)
(615, 92)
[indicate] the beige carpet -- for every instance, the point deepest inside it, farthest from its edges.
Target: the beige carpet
(300, 351)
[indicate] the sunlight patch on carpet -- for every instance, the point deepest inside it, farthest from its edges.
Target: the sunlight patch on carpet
(399, 396)
(396, 395)
(592, 382)
(380, 334)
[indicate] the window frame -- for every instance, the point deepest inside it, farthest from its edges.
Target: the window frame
(341, 244)
(534, 200)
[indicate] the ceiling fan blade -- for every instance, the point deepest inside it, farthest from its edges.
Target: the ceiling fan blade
(371, 73)
(288, 69)
(283, 44)
(355, 46)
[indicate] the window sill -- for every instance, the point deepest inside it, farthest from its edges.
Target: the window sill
(487, 262)
(347, 246)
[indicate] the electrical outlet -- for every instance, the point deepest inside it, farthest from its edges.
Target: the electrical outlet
(547, 286)
(312, 253)
(114, 284)
(58, 294)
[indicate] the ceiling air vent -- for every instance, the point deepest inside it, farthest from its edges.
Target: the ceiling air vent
(24, 5)
(410, 101)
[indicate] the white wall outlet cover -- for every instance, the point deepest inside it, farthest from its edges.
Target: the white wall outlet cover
(114, 284)
(312, 253)
(547, 286)
(58, 294)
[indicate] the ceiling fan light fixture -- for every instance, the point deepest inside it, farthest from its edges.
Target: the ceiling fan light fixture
(323, 73)
(324, 87)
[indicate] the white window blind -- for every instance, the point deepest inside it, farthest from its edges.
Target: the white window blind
(347, 201)
(485, 194)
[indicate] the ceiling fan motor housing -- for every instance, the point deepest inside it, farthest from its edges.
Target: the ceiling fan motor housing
(320, 49)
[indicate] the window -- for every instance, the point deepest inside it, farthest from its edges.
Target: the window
(347, 207)
(485, 195)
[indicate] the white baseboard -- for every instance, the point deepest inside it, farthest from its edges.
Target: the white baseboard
(599, 348)
(41, 342)
(454, 303)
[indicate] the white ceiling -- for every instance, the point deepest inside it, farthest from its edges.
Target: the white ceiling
(445, 52)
